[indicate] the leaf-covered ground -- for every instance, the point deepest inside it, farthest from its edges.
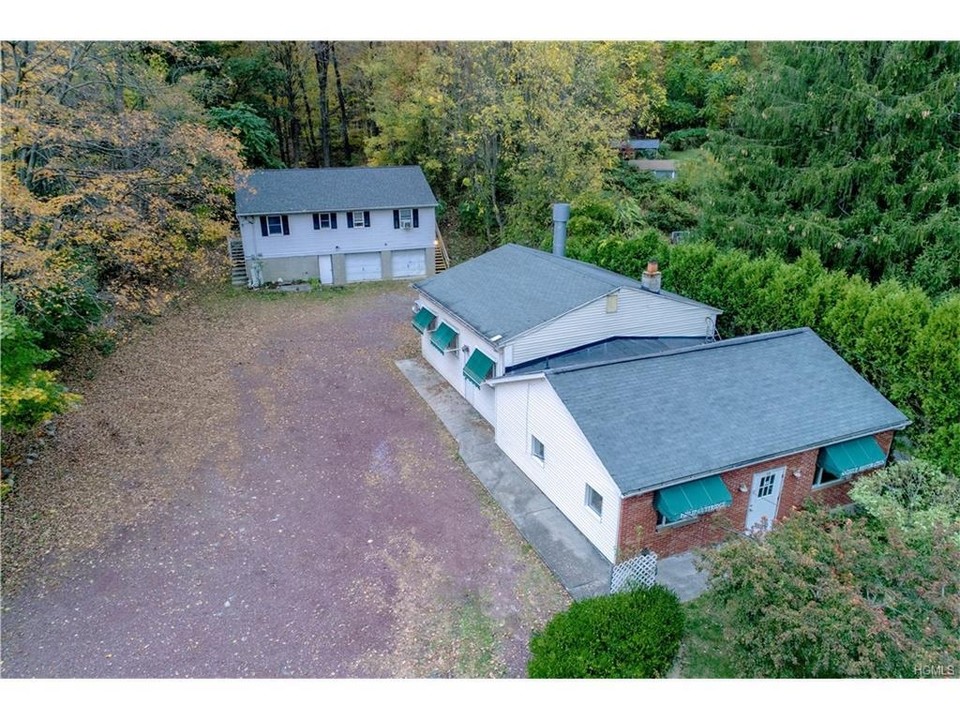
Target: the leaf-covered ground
(252, 489)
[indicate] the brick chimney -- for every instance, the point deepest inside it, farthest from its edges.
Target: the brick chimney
(651, 277)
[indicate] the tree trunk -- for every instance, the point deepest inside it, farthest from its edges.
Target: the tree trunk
(344, 130)
(311, 132)
(285, 56)
(321, 53)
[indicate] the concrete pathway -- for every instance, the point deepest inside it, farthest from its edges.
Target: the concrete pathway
(579, 566)
(680, 574)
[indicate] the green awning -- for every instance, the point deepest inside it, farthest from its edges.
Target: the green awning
(443, 337)
(692, 498)
(851, 457)
(477, 368)
(421, 321)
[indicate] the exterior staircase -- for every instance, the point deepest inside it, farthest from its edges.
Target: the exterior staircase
(442, 259)
(238, 269)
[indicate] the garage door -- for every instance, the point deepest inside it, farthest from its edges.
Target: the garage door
(363, 266)
(409, 263)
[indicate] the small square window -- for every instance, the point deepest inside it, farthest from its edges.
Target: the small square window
(594, 500)
(274, 225)
(536, 448)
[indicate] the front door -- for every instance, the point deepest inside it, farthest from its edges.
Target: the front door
(764, 499)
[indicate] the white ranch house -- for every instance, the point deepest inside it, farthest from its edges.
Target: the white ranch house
(336, 225)
(618, 401)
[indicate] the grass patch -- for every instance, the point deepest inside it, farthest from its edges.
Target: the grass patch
(704, 652)
(477, 642)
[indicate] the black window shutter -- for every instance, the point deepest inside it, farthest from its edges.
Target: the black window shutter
(263, 225)
(416, 218)
(316, 221)
(396, 219)
(286, 225)
(333, 221)
(366, 218)
(349, 219)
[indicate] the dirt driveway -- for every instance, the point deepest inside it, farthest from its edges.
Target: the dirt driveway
(252, 489)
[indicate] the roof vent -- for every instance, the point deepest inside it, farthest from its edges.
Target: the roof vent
(651, 277)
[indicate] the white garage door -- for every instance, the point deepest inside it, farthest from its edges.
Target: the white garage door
(363, 266)
(409, 263)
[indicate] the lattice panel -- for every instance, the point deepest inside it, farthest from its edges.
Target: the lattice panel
(640, 570)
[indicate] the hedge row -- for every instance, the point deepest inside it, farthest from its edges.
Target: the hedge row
(906, 345)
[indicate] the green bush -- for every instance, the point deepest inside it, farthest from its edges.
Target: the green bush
(634, 634)
(28, 395)
(686, 139)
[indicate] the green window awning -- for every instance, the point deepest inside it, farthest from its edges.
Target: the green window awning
(421, 321)
(851, 457)
(692, 498)
(443, 337)
(478, 368)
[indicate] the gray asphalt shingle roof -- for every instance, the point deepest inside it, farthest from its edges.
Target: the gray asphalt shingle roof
(513, 289)
(617, 348)
(689, 413)
(262, 192)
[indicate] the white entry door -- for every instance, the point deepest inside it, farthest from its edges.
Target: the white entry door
(764, 499)
(326, 270)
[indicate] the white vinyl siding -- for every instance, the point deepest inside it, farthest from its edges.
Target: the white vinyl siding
(532, 408)
(450, 364)
(363, 266)
(409, 263)
(304, 240)
(638, 313)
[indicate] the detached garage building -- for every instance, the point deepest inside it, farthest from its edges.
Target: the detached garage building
(337, 225)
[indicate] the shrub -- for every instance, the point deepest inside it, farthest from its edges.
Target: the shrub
(28, 395)
(685, 139)
(633, 634)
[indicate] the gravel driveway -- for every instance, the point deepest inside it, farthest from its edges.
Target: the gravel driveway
(251, 489)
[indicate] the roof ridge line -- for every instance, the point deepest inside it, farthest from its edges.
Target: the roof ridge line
(730, 342)
(579, 266)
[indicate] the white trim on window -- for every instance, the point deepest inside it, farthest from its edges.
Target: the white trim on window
(274, 225)
(358, 220)
(593, 500)
(537, 449)
(406, 218)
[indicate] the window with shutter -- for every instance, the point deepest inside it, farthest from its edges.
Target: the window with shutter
(274, 225)
(405, 218)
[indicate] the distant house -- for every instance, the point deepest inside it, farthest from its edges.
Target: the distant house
(616, 399)
(337, 225)
(661, 169)
(639, 148)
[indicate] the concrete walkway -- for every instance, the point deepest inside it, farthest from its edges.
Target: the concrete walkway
(579, 566)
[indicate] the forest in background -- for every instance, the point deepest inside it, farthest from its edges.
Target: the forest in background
(820, 182)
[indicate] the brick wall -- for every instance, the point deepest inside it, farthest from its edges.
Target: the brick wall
(638, 518)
